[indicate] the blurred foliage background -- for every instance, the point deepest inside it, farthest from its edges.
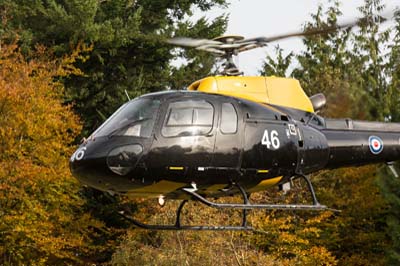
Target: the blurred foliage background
(65, 67)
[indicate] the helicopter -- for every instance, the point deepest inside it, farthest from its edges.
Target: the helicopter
(226, 135)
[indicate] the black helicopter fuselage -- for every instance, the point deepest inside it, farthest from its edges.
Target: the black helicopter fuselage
(159, 143)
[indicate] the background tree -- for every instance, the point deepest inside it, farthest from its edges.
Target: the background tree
(324, 65)
(393, 72)
(389, 184)
(196, 64)
(278, 65)
(370, 42)
(42, 222)
(129, 52)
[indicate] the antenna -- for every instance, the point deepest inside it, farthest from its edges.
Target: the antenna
(127, 95)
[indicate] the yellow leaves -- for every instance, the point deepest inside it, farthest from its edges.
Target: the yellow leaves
(358, 229)
(293, 238)
(80, 53)
(40, 220)
(311, 231)
(320, 256)
(33, 120)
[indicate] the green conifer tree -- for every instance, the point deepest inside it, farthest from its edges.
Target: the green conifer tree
(129, 52)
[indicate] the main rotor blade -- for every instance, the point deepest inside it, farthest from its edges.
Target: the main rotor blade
(313, 31)
(190, 42)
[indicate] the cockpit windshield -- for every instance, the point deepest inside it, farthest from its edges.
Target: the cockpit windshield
(135, 118)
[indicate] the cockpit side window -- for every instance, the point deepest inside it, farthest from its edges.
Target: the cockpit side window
(229, 119)
(188, 118)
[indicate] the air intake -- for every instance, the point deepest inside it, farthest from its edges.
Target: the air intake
(318, 101)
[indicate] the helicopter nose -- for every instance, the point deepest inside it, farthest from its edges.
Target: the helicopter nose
(84, 167)
(104, 167)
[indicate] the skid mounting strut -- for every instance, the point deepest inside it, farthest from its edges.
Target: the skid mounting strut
(246, 205)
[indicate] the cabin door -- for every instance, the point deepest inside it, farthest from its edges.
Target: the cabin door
(228, 144)
(184, 141)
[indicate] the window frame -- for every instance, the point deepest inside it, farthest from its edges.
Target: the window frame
(168, 114)
(237, 119)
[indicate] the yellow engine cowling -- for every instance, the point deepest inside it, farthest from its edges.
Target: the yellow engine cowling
(271, 90)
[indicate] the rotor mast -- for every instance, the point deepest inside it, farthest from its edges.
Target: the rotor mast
(230, 68)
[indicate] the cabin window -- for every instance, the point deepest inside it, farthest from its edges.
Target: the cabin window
(229, 119)
(188, 118)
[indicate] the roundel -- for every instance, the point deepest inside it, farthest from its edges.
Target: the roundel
(375, 144)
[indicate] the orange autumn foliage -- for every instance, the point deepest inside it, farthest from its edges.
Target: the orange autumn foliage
(40, 220)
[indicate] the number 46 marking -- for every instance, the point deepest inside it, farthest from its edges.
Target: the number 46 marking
(273, 140)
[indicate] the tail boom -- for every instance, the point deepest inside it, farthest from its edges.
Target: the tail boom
(353, 143)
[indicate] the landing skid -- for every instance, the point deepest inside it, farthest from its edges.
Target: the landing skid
(246, 205)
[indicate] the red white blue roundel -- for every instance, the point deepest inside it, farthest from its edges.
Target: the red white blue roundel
(375, 144)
